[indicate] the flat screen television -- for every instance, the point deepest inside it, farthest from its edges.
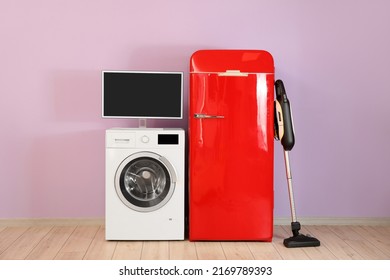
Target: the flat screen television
(142, 94)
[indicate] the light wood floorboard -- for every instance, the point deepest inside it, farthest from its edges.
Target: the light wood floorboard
(155, 250)
(88, 242)
(362, 246)
(378, 236)
(315, 253)
(76, 247)
(22, 246)
(100, 249)
(9, 235)
(334, 243)
(179, 250)
(127, 250)
(208, 250)
(264, 251)
(237, 251)
(51, 244)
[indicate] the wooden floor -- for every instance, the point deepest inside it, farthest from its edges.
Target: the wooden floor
(87, 242)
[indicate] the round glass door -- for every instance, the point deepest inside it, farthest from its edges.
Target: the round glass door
(145, 181)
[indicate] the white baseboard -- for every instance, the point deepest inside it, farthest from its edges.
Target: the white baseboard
(323, 221)
(381, 221)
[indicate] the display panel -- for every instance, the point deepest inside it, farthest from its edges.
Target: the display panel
(168, 139)
(142, 94)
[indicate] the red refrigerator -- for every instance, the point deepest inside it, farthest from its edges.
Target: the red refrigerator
(231, 145)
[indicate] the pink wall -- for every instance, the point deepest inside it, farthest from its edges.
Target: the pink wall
(333, 58)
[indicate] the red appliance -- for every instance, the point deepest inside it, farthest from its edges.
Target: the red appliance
(231, 145)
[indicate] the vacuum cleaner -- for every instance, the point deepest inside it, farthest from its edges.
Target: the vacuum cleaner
(284, 131)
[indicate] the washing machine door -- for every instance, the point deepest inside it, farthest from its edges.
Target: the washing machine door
(145, 181)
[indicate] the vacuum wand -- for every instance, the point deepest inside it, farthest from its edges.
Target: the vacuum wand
(295, 225)
(284, 131)
(289, 184)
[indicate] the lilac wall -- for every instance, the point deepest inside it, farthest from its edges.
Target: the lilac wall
(333, 58)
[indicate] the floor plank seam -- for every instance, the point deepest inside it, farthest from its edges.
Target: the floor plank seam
(90, 243)
(143, 251)
(368, 240)
(341, 237)
(63, 244)
(387, 252)
(36, 245)
(113, 251)
(323, 243)
(10, 244)
(249, 248)
(196, 252)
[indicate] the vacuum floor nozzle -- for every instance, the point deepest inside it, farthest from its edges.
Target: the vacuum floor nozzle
(301, 240)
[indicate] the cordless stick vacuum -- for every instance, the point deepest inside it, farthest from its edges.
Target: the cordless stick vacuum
(284, 131)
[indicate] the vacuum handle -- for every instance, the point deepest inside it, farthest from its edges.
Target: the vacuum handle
(283, 117)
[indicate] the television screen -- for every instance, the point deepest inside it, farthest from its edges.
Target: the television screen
(142, 94)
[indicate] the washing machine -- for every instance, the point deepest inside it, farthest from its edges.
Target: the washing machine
(145, 171)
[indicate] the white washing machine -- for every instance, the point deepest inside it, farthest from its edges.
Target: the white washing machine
(145, 171)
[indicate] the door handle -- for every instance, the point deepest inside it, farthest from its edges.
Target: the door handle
(205, 116)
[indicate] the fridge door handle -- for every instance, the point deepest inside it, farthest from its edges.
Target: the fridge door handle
(205, 116)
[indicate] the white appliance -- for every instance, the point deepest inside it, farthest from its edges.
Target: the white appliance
(145, 171)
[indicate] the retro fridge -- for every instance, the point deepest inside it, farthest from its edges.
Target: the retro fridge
(231, 145)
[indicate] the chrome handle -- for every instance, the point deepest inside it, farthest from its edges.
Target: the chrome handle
(205, 116)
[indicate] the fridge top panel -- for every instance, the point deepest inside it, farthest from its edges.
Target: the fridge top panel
(232, 61)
